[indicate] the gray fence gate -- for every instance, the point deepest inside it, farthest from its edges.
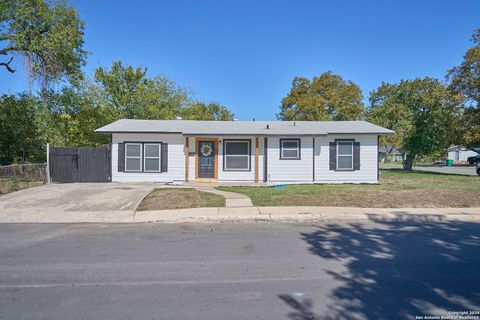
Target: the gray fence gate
(80, 164)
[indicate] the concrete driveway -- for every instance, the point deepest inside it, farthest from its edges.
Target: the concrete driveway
(74, 200)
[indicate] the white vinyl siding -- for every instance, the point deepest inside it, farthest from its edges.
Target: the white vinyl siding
(176, 158)
(133, 157)
(279, 171)
(368, 160)
(290, 170)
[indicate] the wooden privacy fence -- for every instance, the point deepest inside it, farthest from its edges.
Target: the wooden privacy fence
(80, 164)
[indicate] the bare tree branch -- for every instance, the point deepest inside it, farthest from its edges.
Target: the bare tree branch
(7, 65)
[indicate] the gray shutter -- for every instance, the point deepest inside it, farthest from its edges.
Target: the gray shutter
(356, 156)
(164, 157)
(121, 157)
(333, 155)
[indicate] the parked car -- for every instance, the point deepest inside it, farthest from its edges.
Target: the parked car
(474, 159)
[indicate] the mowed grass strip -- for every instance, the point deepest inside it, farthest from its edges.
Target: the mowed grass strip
(397, 189)
(179, 198)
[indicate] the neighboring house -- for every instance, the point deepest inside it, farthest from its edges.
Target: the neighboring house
(180, 151)
(389, 154)
(460, 153)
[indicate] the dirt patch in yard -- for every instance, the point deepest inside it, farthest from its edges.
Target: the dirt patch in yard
(179, 198)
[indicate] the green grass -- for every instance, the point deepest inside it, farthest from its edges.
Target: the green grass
(397, 188)
(179, 198)
(8, 185)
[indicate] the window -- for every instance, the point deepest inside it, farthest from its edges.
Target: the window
(344, 155)
(151, 157)
(133, 157)
(236, 155)
(289, 149)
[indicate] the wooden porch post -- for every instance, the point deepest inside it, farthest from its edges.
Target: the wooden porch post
(256, 159)
(186, 159)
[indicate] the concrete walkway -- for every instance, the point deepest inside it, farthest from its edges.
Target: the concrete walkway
(245, 214)
(232, 199)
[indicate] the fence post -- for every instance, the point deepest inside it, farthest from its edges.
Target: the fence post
(47, 169)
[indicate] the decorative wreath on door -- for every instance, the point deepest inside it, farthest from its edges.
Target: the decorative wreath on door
(206, 150)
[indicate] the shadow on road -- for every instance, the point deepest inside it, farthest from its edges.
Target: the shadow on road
(396, 270)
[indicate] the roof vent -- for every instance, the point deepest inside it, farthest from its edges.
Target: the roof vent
(268, 126)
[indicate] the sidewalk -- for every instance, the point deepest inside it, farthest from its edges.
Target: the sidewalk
(247, 214)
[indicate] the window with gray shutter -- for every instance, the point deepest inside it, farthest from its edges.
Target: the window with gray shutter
(121, 157)
(356, 156)
(164, 157)
(333, 155)
(344, 155)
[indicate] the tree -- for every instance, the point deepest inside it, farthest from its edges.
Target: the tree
(19, 141)
(465, 80)
(202, 111)
(132, 94)
(327, 97)
(47, 34)
(122, 86)
(70, 116)
(423, 113)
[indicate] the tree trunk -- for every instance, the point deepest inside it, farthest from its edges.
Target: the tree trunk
(408, 163)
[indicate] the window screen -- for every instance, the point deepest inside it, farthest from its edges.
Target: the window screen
(290, 149)
(133, 157)
(344, 155)
(237, 155)
(152, 157)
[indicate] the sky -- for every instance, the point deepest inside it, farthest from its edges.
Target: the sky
(245, 54)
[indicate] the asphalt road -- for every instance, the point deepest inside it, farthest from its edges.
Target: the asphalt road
(387, 270)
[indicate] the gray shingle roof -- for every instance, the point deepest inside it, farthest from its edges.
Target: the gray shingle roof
(194, 127)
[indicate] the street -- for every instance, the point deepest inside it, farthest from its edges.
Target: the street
(390, 270)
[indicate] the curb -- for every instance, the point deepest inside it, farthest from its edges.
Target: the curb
(250, 214)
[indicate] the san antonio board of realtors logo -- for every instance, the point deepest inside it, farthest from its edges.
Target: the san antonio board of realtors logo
(206, 150)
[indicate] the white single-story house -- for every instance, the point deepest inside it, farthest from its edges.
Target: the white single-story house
(389, 154)
(278, 152)
(460, 153)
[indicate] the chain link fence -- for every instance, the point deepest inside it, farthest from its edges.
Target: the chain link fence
(21, 176)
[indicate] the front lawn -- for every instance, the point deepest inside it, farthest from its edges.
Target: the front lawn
(397, 189)
(179, 198)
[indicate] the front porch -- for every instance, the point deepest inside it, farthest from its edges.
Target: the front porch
(224, 160)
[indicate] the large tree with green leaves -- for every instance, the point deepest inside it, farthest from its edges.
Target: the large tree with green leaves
(46, 35)
(133, 94)
(423, 113)
(465, 80)
(203, 111)
(327, 97)
(69, 117)
(19, 138)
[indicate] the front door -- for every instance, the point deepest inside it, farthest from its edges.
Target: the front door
(206, 159)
